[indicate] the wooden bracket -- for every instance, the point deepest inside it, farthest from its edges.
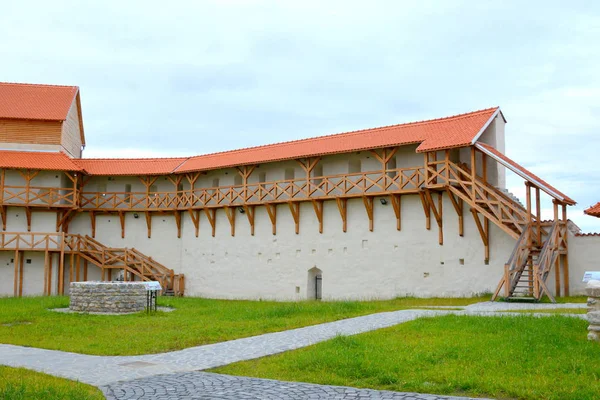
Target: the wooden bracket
(230, 211)
(249, 210)
(397, 206)
(195, 216)
(63, 219)
(484, 230)
(93, 223)
(318, 206)
(211, 215)
(272, 211)
(343, 207)
(426, 209)
(3, 215)
(177, 215)
(295, 209)
(457, 203)
(437, 213)
(149, 223)
(368, 201)
(122, 221)
(28, 216)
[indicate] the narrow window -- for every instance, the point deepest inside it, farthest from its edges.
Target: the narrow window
(128, 192)
(101, 188)
(262, 177)
(353, 166)
(215, 182)
(237, 180)
(290, 174)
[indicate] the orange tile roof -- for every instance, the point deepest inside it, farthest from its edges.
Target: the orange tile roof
(39, 102)
(443, 133)
(129, 166)
(594, 210)
(56, 161)
(545, 186)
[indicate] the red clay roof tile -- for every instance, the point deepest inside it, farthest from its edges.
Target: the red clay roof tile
(594, 210)
(129, 166)
(38, 102)
(56, 161)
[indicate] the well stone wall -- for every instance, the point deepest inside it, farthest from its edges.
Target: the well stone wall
(109, 297)
(593, 292)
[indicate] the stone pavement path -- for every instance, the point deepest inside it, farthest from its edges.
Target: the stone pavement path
(204, 385)
(104, 370)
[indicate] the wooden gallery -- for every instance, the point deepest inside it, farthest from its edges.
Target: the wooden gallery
(412, 209)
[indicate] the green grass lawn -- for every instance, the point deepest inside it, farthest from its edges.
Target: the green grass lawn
(27, 322)
(519, 357)
(23, 384)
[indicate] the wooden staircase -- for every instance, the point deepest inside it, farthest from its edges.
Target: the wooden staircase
(538, 243)
(132, 262)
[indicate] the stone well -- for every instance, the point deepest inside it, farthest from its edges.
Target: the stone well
(593, 315)
(108, 297)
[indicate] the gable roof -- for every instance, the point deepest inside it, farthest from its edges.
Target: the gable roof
(594, 210)
(55, 161)
(525, 173)
(129, 166)
(37, 102)
(443, 133)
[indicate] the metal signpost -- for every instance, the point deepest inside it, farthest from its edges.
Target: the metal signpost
(152, 289)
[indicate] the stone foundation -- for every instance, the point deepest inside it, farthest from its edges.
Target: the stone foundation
(593, 314)
(107, 297)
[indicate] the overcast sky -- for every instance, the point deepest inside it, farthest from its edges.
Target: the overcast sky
(186, 78)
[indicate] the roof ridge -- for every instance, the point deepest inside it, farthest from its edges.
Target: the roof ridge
(133, 158)
(379, 128)
(38, 84)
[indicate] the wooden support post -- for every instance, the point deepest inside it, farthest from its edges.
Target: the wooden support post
(49, 287)
(61, 267)
(93, 222)
(230, 212)
(21, 260)
(566, 285)
(211, 215)
(71, 266)
(195, 217)
(426, 209)
(77, 268)
(318, 206)
(483, 232)
(538, 215)
(245, 171)
(308, 165)
(473, 173)
(122, 221)
(557, 276)
(149, 223)
(177, 215)
(249, 210)
(3, 216)
(437, 214)
(46, 269)
(343, 208)
(192, 178)
(506, 281)
(16, 275)
(397, 207)
(484, 167)
(528, 202)
(368, 201)
(85, 270)
(272, 211)
(457, 203)
(295, 210)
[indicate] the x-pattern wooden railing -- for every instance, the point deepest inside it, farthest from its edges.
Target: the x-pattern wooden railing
(39, 196)
(405, 180)
(31, 241)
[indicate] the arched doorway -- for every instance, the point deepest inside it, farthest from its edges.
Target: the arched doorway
(314, 284)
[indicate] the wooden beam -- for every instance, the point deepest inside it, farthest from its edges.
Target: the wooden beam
(93, 222)
(50, 275)
(426, 209)
(149, 223)
(122, 221)
(483, 232)
(318, 207)
(397, 206)
(343, 208)
(21, 260)
(85, 270)
(437, 213)
(368, 202)
(46, 270)
(3, 216)
(457, 203)
(211, 215)
(249, 210)
(230, 212)
(177, 215)
(272, 211)
(195, 217)
(538, 215)
(473, 173)
(295, 210)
